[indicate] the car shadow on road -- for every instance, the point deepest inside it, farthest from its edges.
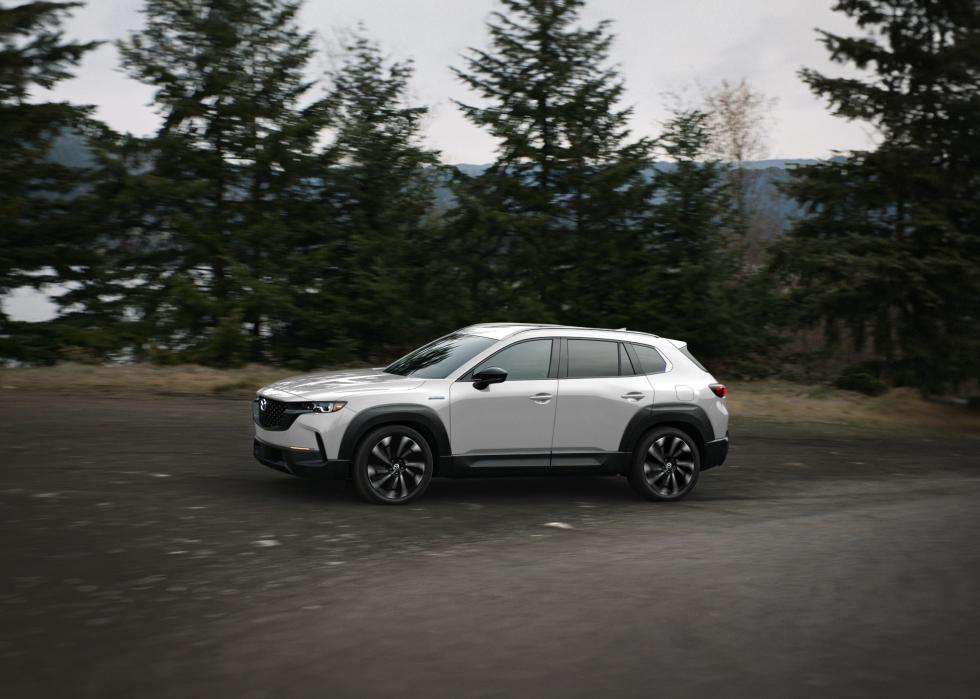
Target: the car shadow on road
(716, 486)
(455, 490)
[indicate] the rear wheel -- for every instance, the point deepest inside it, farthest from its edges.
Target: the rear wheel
(666, 464)
(393, 465)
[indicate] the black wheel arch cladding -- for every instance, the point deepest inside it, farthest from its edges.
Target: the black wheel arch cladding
(689, 418)
(420, 418)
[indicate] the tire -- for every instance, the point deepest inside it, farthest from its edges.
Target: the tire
(666, 464)
(393, 465)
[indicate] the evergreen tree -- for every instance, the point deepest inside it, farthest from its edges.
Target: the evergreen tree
(890, 249)
(696, 291)
(37, 233)
(555, 223)
(690, 230)
(369, 274)
(214, 205)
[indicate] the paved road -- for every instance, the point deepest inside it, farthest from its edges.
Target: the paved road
(143, 553)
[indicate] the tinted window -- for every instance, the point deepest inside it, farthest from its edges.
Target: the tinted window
(592, 358)
(625, 363)
(650, 360)
(440, 358)
(524, 361)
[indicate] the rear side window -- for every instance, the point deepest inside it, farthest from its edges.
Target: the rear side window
(687, 353)
(651, 361)
(592, 359)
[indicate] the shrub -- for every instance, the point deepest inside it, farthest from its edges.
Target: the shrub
(858, 378)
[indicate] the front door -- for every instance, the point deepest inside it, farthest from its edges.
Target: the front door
(508, 424)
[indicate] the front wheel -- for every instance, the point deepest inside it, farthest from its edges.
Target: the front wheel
(393, 465)
(666, 465)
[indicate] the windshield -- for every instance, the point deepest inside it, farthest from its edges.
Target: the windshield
(440, 358)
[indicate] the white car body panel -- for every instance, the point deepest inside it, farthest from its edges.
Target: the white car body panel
(523, 410)
(329, 385)
(584, 415)
(592, 413)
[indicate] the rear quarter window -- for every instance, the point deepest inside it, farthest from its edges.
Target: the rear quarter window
(651, 361)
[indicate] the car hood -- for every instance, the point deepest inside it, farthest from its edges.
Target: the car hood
(337, 384)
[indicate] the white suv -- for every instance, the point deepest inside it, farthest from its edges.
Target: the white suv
(503, 399)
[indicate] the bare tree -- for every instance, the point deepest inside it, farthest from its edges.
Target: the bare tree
(740, 119)
(739, 123)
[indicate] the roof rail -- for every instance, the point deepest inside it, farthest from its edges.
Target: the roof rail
(540, 326)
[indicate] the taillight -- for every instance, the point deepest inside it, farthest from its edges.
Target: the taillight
(719, 390)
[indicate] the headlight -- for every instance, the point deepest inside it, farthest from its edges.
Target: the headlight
(327, 406)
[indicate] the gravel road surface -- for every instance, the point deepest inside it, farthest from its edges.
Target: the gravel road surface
(143, 553)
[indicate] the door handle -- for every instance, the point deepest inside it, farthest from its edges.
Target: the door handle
(541, 398)
(633, 395)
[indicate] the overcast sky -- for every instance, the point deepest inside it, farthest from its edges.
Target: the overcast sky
(661, 46)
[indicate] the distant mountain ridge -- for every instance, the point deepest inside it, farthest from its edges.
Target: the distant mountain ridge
(764, 177)
(780, 163)
(763, 181)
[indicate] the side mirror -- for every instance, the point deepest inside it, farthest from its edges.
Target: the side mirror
(485, 377)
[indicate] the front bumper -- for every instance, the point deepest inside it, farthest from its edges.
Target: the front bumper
(306, 463)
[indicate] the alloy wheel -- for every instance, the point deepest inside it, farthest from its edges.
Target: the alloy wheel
(395, 467)
(668, 466)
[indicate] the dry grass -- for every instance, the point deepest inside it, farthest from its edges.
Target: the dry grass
(168, 380)
(777, 401)
(901, 408)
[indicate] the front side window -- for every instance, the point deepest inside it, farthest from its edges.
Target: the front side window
(592, 358)
(651, 361)
(525, 361)
(440, 358)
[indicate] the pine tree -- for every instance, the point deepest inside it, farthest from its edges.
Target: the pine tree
(216, 201)
(689, 231)
(890, 249)
(558, 217)
(38, 233)
(694, 292)
(370, 275)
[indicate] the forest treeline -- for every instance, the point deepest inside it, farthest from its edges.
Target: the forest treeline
(274, 218)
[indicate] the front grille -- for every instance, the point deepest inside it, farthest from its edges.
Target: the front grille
(272, 413)
(276, 414)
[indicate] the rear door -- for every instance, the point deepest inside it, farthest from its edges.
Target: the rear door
(598, 393)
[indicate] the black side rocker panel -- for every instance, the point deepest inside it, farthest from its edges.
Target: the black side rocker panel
(691, 417)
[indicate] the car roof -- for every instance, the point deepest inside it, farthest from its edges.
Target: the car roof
(500, 331)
